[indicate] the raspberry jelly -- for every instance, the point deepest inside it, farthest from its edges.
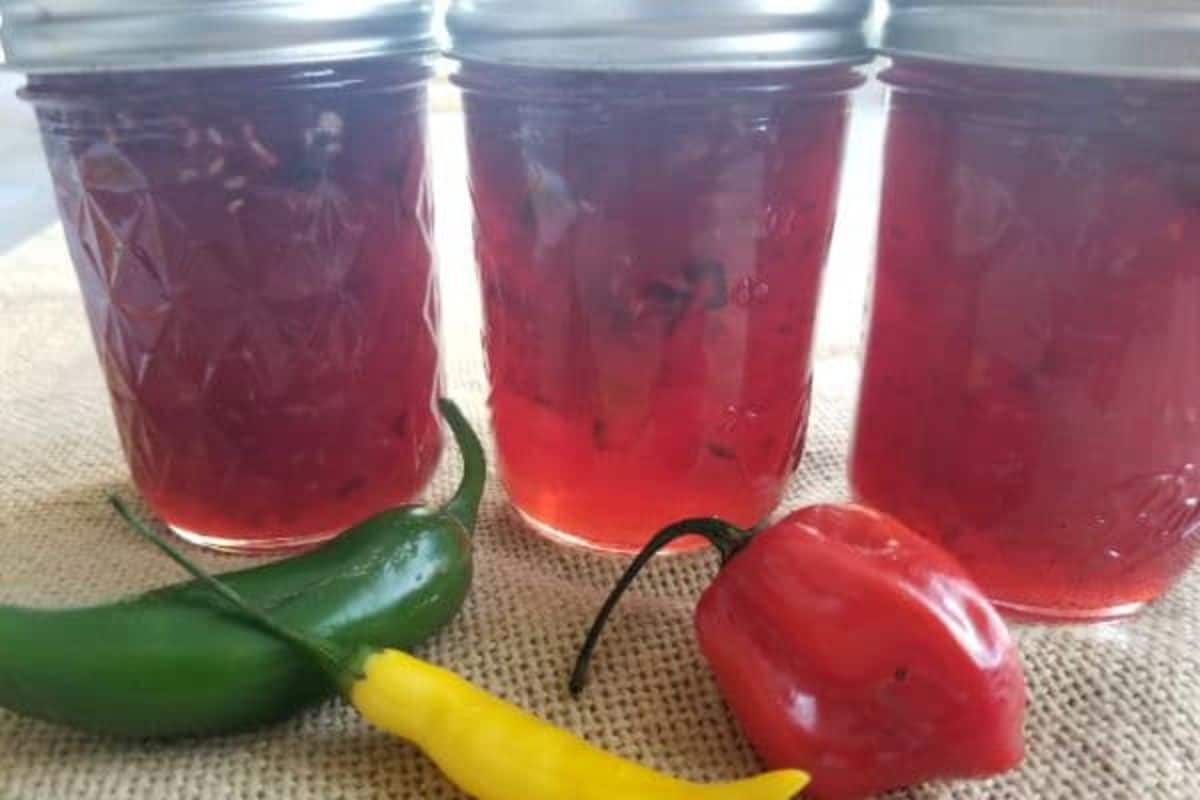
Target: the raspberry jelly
(1032, 389)
(650, 249)
(253, 246)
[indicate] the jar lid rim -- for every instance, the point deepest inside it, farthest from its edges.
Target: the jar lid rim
(661, 36)
(82, 36)
(1076, 37)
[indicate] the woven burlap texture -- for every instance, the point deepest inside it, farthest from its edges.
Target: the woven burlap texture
(1115, 708)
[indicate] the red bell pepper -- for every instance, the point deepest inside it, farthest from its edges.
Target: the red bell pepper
(849, 646)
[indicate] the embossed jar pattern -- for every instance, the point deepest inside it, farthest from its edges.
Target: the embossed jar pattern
(254, 249)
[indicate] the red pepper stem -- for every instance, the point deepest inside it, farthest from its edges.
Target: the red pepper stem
(726, 538)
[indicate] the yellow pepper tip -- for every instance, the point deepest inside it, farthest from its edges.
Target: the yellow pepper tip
(779, 785)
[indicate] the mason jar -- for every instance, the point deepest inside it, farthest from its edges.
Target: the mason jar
(244, 192)
(654, 187)
(1031, 398)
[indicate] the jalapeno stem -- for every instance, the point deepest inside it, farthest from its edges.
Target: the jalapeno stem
(330, 658)
(464, 506)
(726, 538)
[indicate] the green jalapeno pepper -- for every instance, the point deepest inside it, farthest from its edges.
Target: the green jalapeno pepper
(169, 663)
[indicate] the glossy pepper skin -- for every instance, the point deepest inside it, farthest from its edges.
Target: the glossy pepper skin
(169, 663)
(487, 747)
(493, 750)
(846, 644)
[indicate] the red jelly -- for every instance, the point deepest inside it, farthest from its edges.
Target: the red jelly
(1031, 397)
(650, 248)
(253, 246)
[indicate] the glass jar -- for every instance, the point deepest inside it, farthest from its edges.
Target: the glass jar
(653, 212)
(251, 235)
(1031, 397)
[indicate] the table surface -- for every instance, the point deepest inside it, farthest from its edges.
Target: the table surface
(1115, 708)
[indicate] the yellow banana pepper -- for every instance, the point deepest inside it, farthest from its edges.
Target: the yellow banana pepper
(493, 750)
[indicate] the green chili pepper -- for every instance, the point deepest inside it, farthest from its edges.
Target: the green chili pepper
(170, 663)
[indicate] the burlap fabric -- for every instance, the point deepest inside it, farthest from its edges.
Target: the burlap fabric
(1115, 708)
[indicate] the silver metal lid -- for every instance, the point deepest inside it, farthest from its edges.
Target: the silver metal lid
(658, 35)
(48, 36)
(1118, 38)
